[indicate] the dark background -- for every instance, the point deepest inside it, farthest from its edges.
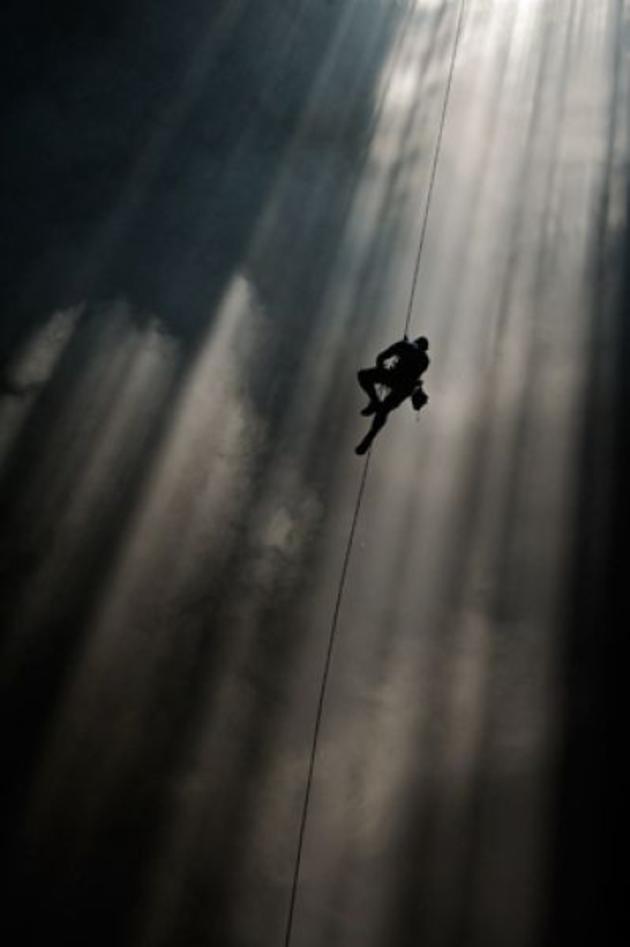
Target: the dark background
(141, 142)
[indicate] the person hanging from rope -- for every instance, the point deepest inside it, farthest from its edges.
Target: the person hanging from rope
(398, 368)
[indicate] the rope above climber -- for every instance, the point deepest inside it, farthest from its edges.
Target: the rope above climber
(398, 368)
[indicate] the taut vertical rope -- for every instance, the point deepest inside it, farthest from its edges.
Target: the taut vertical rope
(357, 506)
(434, 166)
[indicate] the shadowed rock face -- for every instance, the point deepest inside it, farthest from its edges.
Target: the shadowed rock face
(143, 140)
(121, 123)
(213, 214)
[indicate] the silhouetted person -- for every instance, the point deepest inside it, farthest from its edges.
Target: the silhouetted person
(407, 362)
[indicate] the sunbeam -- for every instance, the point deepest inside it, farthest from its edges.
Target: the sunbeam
(222, 212)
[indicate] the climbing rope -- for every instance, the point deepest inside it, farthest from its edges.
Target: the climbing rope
(434, 166)
(322, 694)
(359, 500)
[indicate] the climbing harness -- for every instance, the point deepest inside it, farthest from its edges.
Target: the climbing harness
(361, 490)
